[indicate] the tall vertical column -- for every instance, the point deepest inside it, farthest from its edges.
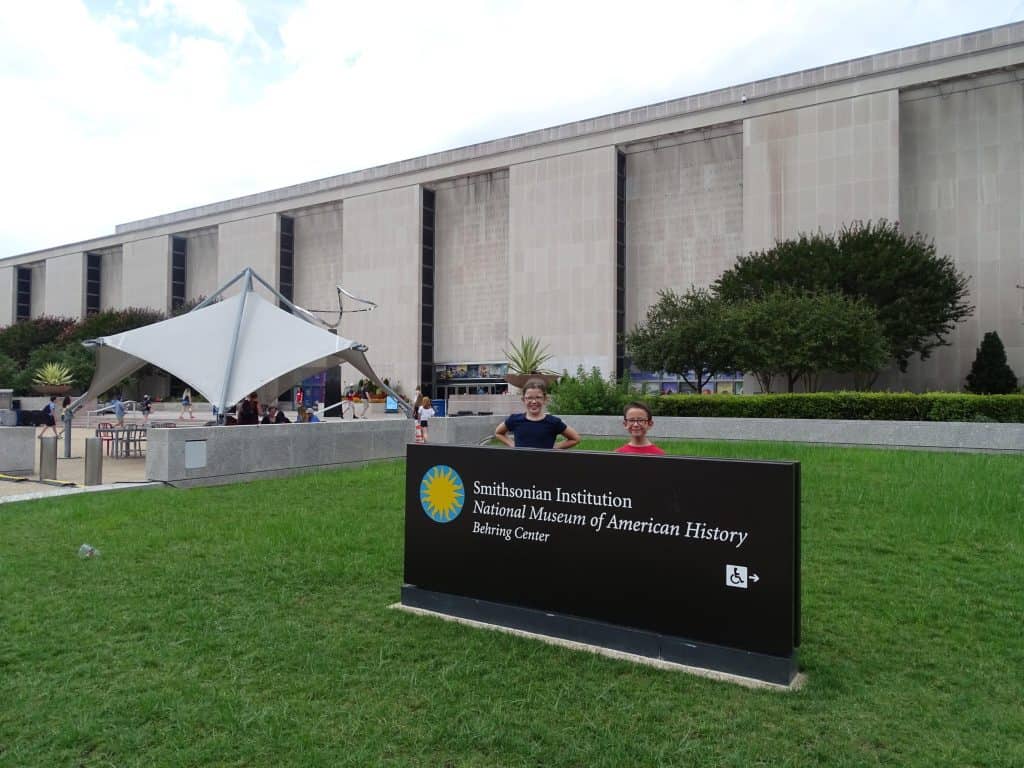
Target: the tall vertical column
(245, 243)
(146, 273)
(381, 262)
(65, 280)
(7, 275)
(820, 167)
(562, 286)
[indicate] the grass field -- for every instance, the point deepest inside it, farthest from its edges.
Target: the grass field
(248, 625)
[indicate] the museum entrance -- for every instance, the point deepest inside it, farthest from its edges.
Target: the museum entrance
(470, 379)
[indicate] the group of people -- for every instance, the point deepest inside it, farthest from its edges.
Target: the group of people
(50, 415)
(249, 412)
(354, 395)
(115, 407)
(535, 428)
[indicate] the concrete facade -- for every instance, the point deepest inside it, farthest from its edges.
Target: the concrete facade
(931, 136)
(111, 278)
(684, 213)
(6, 295)
(318, 256)
(146, 273)
(471, 287)
(201, 277)
(961, 179)
(66, 277)
(251, 242)
(819, 167)
(562, 257)
(39, 289)
(381, 238)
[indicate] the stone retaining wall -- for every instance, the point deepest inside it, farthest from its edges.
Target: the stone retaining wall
(18, 446)
(947, 436)
(189, 456)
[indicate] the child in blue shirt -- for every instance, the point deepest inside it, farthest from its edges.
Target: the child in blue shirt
(535, 428)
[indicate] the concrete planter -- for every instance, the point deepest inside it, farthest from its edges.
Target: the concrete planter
(52, 389)
(519, 379)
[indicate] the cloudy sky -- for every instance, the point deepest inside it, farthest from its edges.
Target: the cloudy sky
(122, 109)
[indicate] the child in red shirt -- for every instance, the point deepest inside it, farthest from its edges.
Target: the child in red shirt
(637, 420)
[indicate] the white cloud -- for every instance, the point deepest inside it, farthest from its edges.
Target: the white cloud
(177, 103)
(225, 19)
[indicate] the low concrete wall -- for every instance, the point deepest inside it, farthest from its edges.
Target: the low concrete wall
(503, 404)
(947, 436)
(18, 446)
(189, 456)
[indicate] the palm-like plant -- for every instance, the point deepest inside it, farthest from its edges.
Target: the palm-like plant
(53, 375)
(527, 356)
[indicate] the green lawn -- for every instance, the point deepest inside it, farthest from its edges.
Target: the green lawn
(249, 625)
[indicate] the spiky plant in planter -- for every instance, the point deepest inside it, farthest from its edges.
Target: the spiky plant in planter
(53, 379)
(526, 360)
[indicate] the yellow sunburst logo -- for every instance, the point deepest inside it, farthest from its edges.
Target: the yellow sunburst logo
(442, 493)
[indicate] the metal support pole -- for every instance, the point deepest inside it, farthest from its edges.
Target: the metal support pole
(67, 417)
(93, 461)
(222, 406)
(48, 458)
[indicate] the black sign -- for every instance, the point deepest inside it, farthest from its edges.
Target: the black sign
(700, 549)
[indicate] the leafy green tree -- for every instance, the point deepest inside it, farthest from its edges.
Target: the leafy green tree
(189, 305)
(918, 295)
(990, 372)
(9, 371)
(17, 341)
(687, 334)
(110, 322)
(806, 263)
(800, 335)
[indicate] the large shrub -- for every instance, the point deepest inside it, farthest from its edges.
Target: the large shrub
(873, 406)
(18, 341)
(109, 322)
(589, 393)
(9, 371)
(990, 372)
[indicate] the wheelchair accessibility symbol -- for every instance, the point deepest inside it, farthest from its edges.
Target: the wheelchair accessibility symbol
(736, 576)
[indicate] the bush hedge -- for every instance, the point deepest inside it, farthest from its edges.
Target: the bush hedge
(872, 406)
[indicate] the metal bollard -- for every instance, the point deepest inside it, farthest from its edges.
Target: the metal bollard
(93, 461)
(48, 458)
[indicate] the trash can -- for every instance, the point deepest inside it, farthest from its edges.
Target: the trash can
(439, 407)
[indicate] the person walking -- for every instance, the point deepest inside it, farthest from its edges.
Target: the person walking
(364, 395)
(65, 403)
(424, 415)
(186, 404)
(117, 404)
(50, 417)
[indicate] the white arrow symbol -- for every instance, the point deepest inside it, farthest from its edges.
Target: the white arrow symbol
(755, 578)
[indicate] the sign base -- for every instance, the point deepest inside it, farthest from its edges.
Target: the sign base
(776, 670)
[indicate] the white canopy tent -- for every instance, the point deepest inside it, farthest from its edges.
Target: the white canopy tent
(226, 349)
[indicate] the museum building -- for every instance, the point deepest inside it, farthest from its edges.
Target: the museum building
(568, 233)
